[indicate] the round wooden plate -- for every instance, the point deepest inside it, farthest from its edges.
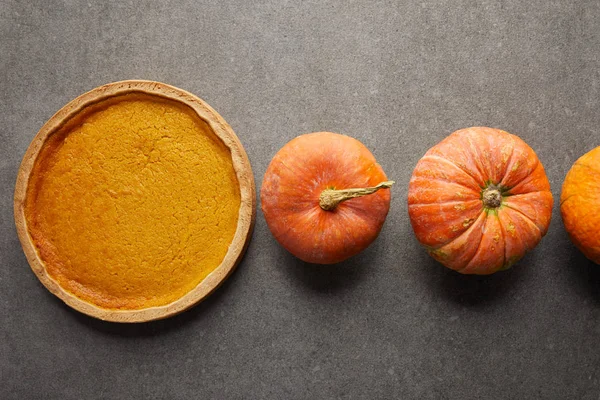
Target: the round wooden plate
(241, 165)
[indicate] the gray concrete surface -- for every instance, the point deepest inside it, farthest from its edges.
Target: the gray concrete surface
(390, 323)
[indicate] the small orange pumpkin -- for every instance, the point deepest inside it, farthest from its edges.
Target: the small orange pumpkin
(580, 204)
(321, 197)
(479, 200)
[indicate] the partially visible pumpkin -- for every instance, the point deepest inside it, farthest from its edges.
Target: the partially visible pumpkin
(321, 197)
(580, 204)
(479, 200)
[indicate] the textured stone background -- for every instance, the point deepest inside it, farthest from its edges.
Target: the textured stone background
(390, 323)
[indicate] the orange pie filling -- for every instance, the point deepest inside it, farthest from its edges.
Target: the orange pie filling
(132, 203)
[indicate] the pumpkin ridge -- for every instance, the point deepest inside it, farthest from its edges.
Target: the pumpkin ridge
(438, 157)
(526, 193)
(524, 215)
(533, 169)
(478, 246)
(457, 237)
(475, 154)
(509, 261)
(457, 218)
(448, 181)
(519, 187)
(447, 250)
(503, 239)
(444, 203)
(487, 150)
(509, 159)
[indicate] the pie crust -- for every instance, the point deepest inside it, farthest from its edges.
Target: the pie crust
(68, 280)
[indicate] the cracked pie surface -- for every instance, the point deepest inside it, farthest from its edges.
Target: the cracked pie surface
(132, 202)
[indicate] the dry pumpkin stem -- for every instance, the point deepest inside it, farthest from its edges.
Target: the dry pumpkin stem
(330, 198)
(492, 196)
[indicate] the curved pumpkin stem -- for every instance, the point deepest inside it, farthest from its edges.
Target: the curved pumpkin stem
(330, 198)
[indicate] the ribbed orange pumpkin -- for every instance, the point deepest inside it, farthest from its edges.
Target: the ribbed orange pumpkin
(479, 200)
(321, 198)
(580, 204)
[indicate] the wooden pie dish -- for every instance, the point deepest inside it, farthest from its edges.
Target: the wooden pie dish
(134, 202)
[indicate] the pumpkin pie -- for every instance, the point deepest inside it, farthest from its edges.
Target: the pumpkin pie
(134, 202)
